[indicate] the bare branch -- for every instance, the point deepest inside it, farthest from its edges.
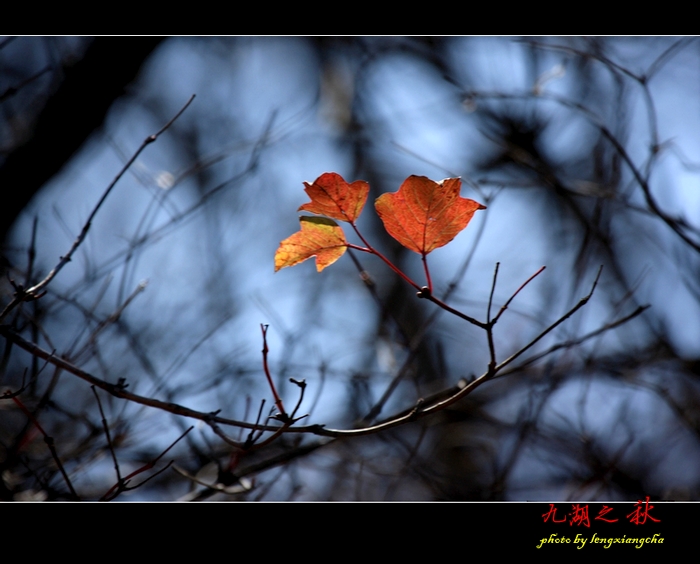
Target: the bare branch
(37, 290)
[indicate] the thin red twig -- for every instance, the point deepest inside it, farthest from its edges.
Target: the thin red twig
(50, 443)
(122, 484)
(505, 306)
(265, 350)
(427, 273)
(374, 251)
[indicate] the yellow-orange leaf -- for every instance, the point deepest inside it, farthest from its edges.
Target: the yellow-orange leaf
(333, 197)
(319, 237)
(424, 215)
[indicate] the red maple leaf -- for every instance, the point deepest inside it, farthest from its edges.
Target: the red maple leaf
(424, 215)
(319, 237)
(333, 197)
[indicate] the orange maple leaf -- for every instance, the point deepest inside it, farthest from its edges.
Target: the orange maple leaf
(319, 237)
(424, 215)
(333, 197)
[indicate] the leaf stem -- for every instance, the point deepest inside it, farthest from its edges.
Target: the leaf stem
(424, 256)
(374, 251)
(421, 291)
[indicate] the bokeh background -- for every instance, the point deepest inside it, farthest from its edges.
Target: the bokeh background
(585, 151)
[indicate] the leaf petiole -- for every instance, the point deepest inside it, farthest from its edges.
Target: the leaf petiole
(374, 251)
(358, 248)
(427, 272)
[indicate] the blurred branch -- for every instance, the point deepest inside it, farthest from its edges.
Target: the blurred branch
(13, 90)
(123, 484)
(87, 90)
(49, 443)
(676, 224)
(37, 290)
(575, 342)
